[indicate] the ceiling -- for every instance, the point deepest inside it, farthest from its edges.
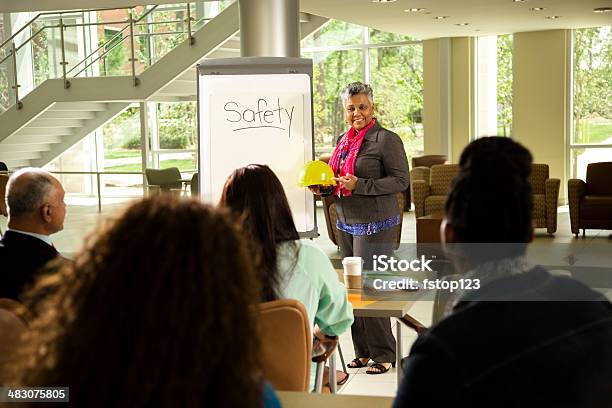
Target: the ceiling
(485, 17)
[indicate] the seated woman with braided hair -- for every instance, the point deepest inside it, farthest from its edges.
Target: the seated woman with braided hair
(525, 338)
(153, 312)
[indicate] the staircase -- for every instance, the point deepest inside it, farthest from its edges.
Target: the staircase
(54, 118)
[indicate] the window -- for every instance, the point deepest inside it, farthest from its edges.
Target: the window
(494, 84)
(392, 63)
(592, 111)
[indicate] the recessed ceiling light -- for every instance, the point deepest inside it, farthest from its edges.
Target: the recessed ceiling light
(536, 8)
(602, 10)
(552, 17)
(518, 1)
(384, 1)
(440, 17)
(462, 24)
(414, 10)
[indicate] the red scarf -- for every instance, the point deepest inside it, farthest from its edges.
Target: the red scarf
(343, 158)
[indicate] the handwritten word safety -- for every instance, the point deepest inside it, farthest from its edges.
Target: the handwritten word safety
(264, 115)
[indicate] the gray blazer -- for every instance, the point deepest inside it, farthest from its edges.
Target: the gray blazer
(382, 169)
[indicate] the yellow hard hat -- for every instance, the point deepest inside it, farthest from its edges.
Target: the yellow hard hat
(315, 173)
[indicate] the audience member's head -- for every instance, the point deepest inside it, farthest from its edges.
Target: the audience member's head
(491, 199)
(257, 195)
(35, 201)
(154, 311)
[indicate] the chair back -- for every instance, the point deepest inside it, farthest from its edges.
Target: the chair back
(286, 344)
(538, 177)
(164, 178)
(194, 184)
(329, 211)
(3, 180)
(441, 177)
(429, 160)
(599, 179)
(3, 166)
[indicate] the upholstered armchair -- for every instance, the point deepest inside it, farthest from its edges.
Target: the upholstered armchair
(545, 197)
(431, 186)
(429, 160)
(590, 202)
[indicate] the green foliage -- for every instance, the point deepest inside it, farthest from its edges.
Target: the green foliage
(592, 83)
(504, 85)
(40, 56)
(177, 125)
(116, 51)
(132, 143)
(173, 141)
(121, 130)
(396, 75)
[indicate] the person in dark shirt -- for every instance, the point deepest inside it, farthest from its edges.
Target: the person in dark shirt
(36, 210)
(525, 338)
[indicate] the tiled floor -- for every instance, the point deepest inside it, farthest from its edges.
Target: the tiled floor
(82, 218)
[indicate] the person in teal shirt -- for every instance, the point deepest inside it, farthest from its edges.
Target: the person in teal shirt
(289, 268)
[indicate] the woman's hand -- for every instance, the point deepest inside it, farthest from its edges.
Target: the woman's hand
(348, 181)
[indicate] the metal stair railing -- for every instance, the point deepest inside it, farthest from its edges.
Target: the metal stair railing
(141, 27)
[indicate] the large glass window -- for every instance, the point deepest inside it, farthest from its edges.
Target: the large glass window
(504, 85)
(592, 128)
(392, 63)
(494, 85)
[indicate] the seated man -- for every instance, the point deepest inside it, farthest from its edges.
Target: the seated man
(36, 209)
(523, 338)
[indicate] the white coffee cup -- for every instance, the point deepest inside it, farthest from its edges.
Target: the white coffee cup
(352, 271)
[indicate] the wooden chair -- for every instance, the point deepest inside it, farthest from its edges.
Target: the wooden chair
(286, 345)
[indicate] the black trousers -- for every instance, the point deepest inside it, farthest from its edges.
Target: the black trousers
(372, 336)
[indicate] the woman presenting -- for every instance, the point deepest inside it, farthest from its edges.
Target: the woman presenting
(370, 165)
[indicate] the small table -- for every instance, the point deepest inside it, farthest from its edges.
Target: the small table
(382, 308)
(428, 228)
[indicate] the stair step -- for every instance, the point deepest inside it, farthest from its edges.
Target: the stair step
(79, 106)
(59, 114)
(47, 132)
(20, 155)
(31, 139)
(55, 123)
(14, 164)
(25, 147)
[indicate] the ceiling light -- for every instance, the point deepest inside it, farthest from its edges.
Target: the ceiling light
(602, 10)
(414, 10)
(552, 17)
(440, 17)
(536, 8)
(462, 24)
(384, 1)
(518, 1)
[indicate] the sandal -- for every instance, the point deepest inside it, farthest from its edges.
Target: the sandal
(380, 367)
(356, 363)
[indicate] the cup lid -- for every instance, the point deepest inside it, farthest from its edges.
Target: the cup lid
(351, 259)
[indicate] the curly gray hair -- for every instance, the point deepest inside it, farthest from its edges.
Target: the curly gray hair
(357, 88)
